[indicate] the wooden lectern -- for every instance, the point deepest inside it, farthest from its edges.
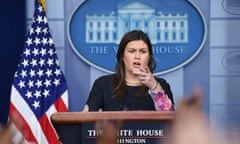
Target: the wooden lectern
(150, 127)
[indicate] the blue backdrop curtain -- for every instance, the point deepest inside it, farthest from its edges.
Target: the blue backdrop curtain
(12, 36)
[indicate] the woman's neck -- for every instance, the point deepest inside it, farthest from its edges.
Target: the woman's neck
(132, 80)
(133, 83)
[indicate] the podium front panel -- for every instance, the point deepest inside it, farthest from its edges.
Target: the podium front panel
(137, 127)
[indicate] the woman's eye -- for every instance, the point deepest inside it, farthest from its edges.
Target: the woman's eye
(143, 51)
(131, 50)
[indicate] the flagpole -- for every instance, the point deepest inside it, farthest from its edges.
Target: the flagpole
(43, 3)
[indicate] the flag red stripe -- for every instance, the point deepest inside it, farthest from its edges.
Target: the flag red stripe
(60, 105)
(47, 126)
(48, 130)
(21, 124)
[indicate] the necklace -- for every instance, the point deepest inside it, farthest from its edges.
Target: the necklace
(133, 83)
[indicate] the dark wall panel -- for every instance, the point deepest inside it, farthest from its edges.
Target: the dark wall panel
(12, 32)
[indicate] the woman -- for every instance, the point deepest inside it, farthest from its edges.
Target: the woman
(132, 86)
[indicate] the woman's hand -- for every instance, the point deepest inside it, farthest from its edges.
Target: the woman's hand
(145, 76)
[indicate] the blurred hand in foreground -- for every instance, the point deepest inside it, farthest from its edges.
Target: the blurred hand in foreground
(6, 135)
(109, 132)
(192, 126)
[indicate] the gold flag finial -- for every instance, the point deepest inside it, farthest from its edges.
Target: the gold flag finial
(43, 4)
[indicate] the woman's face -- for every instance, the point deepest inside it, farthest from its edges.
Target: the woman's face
(136, 55)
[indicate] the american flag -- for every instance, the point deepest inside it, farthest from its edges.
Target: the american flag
(39, 88)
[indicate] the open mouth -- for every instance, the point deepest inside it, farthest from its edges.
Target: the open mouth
(136, 64)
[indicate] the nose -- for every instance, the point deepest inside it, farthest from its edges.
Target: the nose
(137, 55)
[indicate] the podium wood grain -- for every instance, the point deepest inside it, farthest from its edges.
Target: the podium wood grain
(140, 116)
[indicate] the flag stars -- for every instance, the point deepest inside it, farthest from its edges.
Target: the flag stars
(24, 73)
(27, 52)
(16, 74)
(38, 83)
(56, 82)
(45, 31)
(33, 20)
(40, 9)
(57, 62)
(30, 84)
(29, 41)
(57, 72)
(34, 62)
(35, 52)
(25, 63)
(37, 94)
(37, 41)
(32, 73)
(29, 94)
(50, 52)
(31, 31)
(46, 93)
(38, 30)
(50, 62)
(43, 52)
(21, 84)
(47, 83)
(42, 62)
(50, 41)
(49, 72)
(39, 19)
(40, 73)
(36, 104)
(45, 19)
(44, 41)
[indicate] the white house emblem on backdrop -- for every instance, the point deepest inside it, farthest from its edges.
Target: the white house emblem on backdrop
(176, 28)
